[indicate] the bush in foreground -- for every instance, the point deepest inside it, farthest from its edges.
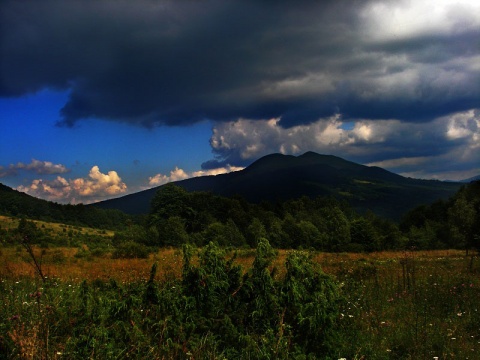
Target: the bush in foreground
(214, 311)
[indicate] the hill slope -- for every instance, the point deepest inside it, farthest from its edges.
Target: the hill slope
(18, 204)
(281, 177)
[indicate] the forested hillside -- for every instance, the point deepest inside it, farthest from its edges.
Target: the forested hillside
(178, 217)
(451, 223)
(18, 204)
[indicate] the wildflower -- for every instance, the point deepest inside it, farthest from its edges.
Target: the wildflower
(459, 314)
(15, 317)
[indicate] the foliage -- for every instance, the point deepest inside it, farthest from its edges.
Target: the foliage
(214, 310)
(324, 224)
(403, 305)
(18, 204)
(454, 224)
(179, 217)
(131, 250)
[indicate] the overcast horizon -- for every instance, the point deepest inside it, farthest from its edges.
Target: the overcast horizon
(99, 99)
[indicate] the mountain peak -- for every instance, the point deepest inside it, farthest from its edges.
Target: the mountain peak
(281, 177)
(278, 161)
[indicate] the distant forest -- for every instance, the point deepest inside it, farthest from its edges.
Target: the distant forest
(17, 204)
(178, 217)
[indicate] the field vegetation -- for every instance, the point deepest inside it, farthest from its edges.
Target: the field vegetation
(211, 303)
(205, 277)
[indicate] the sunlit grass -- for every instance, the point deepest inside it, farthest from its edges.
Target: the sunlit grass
(11, 223)
(63, 264)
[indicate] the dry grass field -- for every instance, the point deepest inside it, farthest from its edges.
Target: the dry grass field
(63, 264)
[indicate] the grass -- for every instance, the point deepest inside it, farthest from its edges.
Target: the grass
(67, 264)
(398, 305)
(11, 223)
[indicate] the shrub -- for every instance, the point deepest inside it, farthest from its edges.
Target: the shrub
(131, 250)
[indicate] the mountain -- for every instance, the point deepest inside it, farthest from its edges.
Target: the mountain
(475, 178)
(281, 177)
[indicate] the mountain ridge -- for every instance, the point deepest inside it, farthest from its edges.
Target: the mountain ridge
(282, 177)
(474, 178)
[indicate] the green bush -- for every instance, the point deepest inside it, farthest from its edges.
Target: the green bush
(131, 250)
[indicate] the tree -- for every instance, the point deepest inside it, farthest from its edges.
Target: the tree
(462, 219)
(363, 233)
(290, 232)
(224, 234)
(336, 227)
(311, 237)
(264, 308)
(27, 230)
(169, 201)
(255, 232)
(172, 232)
(311, 303)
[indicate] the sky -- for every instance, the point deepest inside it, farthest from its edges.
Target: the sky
(99, 99)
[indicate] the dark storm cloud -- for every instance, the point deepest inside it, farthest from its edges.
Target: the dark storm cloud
(178, 62)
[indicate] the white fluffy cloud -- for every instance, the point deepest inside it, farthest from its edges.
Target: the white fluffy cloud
(248, 139)
(179, 174)
(96, 186)
(175, 175)
(464, 125)
(217, 171)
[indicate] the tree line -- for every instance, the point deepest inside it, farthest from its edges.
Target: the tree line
(179, 217)
(17, 204)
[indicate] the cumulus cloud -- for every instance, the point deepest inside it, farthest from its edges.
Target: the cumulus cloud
(242, 141)
(174, 62)
(392, 144)
(218, 171)
(465, 125)
(35, 166)
(175, 175)
(179, 174)
(95, 187)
